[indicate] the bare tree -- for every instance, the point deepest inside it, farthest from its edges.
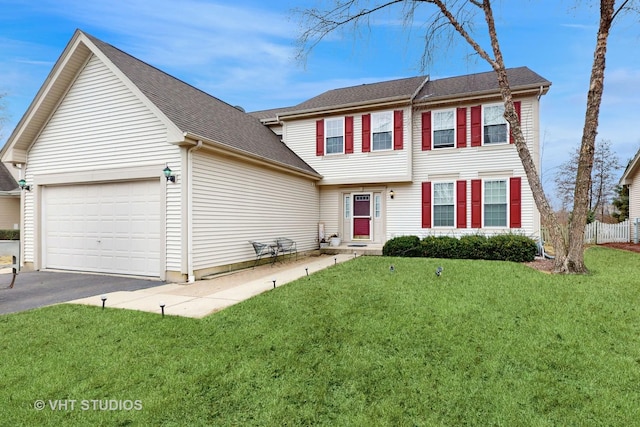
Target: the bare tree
(457, 16)
(602, 181)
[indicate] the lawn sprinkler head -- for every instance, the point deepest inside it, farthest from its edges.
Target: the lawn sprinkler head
(438, 271)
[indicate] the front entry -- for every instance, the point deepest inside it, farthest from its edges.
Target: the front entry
(362, 216)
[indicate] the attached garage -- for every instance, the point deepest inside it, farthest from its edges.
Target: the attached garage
(103, 227)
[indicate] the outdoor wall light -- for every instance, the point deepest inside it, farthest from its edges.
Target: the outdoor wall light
(392, 194)
(167, 174)
(23, 185)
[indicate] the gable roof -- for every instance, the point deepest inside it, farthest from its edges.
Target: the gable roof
(192, 112)
(415, 90)
(472, 85)
(631, 170)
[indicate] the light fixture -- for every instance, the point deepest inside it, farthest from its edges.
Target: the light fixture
(162, 305)
(167, 174)
(104, 299)
(23, 185)
(391, 193)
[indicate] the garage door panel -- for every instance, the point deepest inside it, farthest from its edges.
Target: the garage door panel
(110, 227)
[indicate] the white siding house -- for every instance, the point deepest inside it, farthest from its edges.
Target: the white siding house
(631, 178)
(369, 162)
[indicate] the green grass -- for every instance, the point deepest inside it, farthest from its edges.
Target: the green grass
(488, 343)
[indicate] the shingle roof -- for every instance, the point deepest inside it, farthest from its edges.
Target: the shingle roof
(475, 84)
(197, 112)
(365, 93)
(7, 182)
(405, 89)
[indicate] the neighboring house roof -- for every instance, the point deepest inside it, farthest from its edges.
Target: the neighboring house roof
(191, 110)
(7, 182)
(632, 169)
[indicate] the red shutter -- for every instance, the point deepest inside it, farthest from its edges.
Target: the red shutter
(476, 126)
(320, 137)
(515, 202)
(366, 133)
(426, 131)
(476, 203)
(461, 127)
(348, 135)
(461, 204)
(517, 106)
(426, 204)
(398, 127)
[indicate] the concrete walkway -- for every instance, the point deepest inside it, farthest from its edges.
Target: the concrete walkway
(204, 297)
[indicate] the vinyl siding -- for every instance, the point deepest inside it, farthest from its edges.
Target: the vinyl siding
(100, 125)
(454, 164)
(235, 202)
(634, 202)
(9, 212)
(358, 167)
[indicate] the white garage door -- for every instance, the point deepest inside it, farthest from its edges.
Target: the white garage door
(107, 228)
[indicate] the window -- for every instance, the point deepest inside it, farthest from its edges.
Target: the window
(347, 206)
(381, 129)
(443, 129)
(495, 203)
(495, 125)
(443, 204)
(334, 136)
(377, 208)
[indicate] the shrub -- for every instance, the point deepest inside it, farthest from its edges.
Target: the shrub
(511, 247)
(440, 247)
(472, 246)
(405, 246)
(9, 234)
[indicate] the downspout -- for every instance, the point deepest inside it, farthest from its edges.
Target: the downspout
(190, 274)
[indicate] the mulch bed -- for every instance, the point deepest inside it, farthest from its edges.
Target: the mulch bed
(546, 265)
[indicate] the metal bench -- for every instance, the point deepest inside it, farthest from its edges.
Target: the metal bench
(286, 246)
(264, 249)
(11, 248)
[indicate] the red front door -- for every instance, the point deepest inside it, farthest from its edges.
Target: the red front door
(362, 216)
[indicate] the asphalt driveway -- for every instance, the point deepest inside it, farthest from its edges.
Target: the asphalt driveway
(41, 288)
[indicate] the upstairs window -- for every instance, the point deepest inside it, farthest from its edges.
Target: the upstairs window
(334, 136)
(495, 125)
(381, 130)
(443, 129)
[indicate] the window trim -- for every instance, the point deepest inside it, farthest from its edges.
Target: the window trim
(482, 125)
(326, 136)
(453, 128)
(453, 204)
(507, 203)
(391, 131)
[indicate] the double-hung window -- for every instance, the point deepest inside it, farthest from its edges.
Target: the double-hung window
(334, 136)
(495, 125)
(443, 128)
(495, 203)
(381, 131)
(443, 204)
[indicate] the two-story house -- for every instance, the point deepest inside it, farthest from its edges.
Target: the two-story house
(410, 156)
(418, 156)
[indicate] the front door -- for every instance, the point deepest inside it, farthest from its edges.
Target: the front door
(362, 216)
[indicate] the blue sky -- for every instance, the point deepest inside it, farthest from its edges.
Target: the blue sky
(243, 53)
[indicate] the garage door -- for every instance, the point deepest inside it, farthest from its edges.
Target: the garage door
(107, 228)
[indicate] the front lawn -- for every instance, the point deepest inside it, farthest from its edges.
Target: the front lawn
(487, 343)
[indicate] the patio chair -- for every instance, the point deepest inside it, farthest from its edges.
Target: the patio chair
(263, 249)
(287, 246)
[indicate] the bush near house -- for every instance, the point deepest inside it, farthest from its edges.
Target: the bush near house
(502, 247)
(9, 234)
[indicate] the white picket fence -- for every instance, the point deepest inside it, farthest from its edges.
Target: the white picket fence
(599, 232)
